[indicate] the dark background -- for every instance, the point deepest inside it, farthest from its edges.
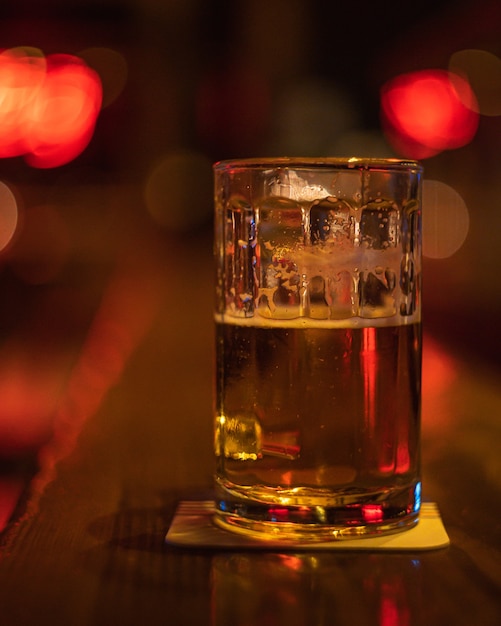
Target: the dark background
(213, 80)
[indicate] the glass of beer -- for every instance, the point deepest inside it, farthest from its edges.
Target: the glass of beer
(318, 311)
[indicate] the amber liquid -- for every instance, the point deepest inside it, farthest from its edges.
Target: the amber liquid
(317, 427)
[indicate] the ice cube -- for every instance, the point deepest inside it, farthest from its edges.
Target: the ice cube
(379, 225)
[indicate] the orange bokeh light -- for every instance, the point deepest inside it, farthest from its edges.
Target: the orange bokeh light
(426, 112)
(9, 215)
(48, 106)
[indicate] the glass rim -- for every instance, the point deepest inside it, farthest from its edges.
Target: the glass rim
(340, 163)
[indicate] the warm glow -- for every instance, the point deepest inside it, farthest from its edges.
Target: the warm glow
(440, 373)
(65, 113)
(296, 563)
(48, 106)
(30, 387)
(22, 72)
(11, 488)
(426, 112)
(128, 308)
(394, 609)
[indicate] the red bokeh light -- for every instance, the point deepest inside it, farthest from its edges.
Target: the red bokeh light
(48, 106)
(426, 112)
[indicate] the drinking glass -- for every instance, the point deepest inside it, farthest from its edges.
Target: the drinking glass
(318, 347)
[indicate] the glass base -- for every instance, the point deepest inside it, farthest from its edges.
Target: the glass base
(387, 513)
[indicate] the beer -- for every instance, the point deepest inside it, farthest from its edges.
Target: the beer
(318, 347)
(318, 423)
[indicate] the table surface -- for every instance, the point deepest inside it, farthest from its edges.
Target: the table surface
(130, 436)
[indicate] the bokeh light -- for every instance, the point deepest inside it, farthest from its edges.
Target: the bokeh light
(178, 192)
(22, 72)
(445, 220)
(482, 70)
(112, 69)
(65, 112)
(426, 112)
(8, 215)
(48, 106)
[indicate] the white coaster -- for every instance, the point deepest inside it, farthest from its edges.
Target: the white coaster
(192, 526)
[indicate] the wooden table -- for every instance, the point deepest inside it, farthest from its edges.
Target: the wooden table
(132, 433)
